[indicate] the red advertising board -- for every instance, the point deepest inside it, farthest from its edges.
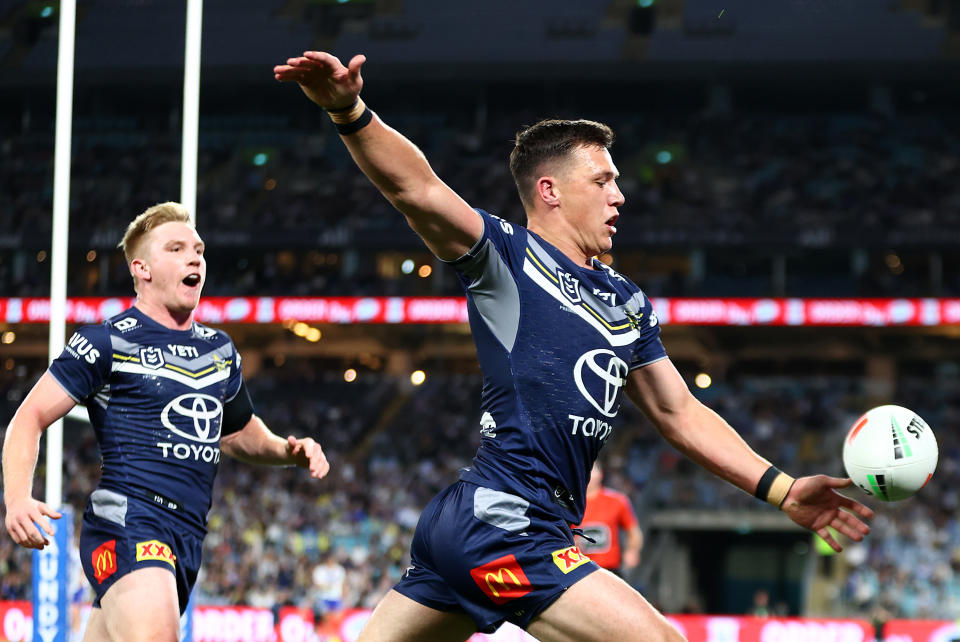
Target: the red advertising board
(719, 628)
(248, 624)
(16, 621)
(921, 631)
(729, 311)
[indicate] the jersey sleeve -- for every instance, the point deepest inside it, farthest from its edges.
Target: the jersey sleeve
(487, 273)
(497, 234)
(236, 375)
(648, 347)
(84, 366)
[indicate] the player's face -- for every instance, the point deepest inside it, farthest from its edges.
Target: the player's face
(177, 268)
(591, 197)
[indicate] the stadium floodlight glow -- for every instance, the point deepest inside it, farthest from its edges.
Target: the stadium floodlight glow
(417, 377)
(407, 266)
(702, 380)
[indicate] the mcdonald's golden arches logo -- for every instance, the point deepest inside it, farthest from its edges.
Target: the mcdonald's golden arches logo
(502, 579)
(104, 560)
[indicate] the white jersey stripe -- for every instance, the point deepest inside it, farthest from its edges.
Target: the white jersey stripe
(620, 339)
(196, 384)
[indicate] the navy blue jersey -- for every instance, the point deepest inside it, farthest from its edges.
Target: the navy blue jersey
(555, 341)
(155, 398)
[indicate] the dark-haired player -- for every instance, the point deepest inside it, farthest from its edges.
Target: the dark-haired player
(166, 397)
(558, 336)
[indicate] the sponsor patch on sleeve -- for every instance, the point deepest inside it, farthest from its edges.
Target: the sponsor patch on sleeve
(569, 558)
(155, 550)
(502, 579)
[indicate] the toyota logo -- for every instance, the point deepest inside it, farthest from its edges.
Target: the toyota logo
(613, 376)
(202, 409)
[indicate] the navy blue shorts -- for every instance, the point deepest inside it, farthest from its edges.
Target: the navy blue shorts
(491, 554)
(119, 535)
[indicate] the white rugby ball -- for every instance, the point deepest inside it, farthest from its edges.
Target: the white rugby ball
(890, 453)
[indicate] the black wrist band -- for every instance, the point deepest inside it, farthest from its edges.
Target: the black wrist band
(763, 486)
(357, 125)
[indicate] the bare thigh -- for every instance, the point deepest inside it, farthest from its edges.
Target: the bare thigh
(399, 619)
(599, 608)
(141, 606)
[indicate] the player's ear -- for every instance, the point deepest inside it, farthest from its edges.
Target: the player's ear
(548, 190)
(140, 270)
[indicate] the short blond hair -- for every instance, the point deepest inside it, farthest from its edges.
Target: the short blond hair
(151, 218)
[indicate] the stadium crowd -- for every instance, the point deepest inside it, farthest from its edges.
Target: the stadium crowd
(278, 539)
(273, 191)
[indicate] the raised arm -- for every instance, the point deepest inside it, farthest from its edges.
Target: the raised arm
(703, 436)
(396, 166)
(46, 403)
(257, 444)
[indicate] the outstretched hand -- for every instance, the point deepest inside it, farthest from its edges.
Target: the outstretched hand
(323, 78)
(306, 453)
(22, 520)
(814, 503)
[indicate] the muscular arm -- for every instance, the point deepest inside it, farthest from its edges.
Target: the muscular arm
(692, 428)
(46, 403)
(257, 444)
(703, 436)
(445, 222)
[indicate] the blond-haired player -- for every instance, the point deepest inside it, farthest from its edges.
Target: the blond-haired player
(166, 397)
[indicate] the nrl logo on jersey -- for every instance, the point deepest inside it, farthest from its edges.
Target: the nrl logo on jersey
(569, 286)
(151, 358)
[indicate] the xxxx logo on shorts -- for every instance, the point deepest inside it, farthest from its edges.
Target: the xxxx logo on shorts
(569, 558)
(502, 579)
(154, 550)
(104, 560)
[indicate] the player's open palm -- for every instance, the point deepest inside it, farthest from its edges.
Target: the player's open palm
(23, 517)
(323, 78)
(814, 503)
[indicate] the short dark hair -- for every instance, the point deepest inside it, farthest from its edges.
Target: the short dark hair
(551, 140)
